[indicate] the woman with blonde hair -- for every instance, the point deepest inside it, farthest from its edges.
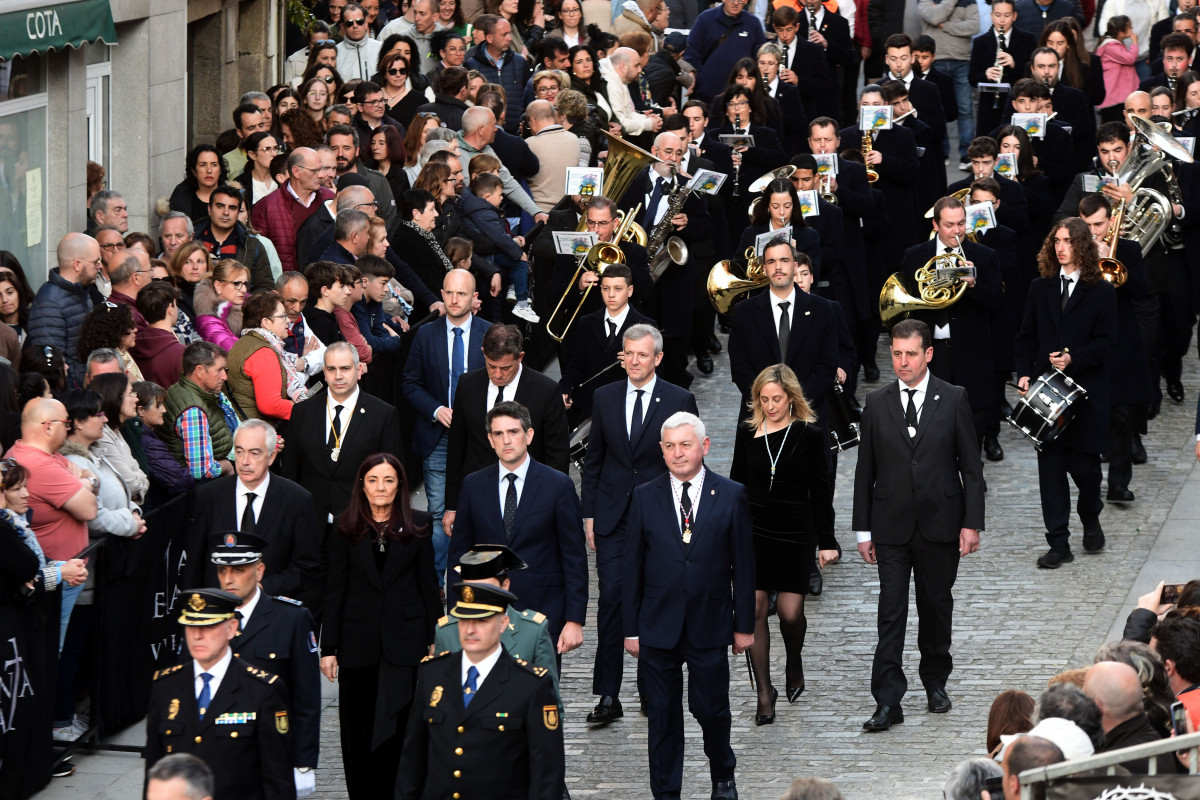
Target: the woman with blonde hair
(218, 302)
(781, 446)
(191, 264)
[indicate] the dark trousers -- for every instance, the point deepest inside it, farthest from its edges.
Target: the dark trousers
(610, 640)
(1121, 427)
(942, 366)
(1171, 280)
(370, 774)
(703, 314)
(673, 368)
(1055, 462)
(934, 566)
(661, 674)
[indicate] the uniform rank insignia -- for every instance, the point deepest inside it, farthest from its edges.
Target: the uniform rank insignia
(436, 697)
(281, 721)
(173, 709)
(242, 717)
(312, 642)
(550, 717)
(196, 603)
(468, 594)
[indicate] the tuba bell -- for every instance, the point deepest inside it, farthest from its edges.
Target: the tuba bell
(725, 288)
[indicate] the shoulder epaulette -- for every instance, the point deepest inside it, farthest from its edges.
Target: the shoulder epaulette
(439, 655)
(289, 600)
(444, 621)
(535, 616)
(262, 674)
(539, 671)
(162, 673)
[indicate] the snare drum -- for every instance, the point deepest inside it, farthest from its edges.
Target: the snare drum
(578, 443)
(1046, 409)
(843, 428)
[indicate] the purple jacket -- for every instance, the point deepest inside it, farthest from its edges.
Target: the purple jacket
(166, 474)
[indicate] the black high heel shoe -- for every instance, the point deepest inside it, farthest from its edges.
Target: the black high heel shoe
(767, 719)
(794, 692)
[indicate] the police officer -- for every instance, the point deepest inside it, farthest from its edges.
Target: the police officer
(277, 634)
(221, 709)
(483, 724)
(526, 635)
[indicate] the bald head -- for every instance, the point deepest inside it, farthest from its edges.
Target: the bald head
(1138, 104)
(76, 247)
(354, 196)
(459, 280)
(623, 56)
(1116, 690)
(43, 424)
(540, 111)
(476, 118)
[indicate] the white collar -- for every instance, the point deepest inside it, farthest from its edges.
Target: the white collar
(619, 319)
(466, 326)
(484, 667)
(921, 387)
(260, 491)
(350, 402)
(520, 471)
(248, 609)
(791, 298)
(1072, 277)
(217, 670)
(648, 389)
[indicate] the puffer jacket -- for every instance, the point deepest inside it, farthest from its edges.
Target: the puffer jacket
(218, 320)
(279, 215)
(55, 317)
(167, 477)
(510, 76)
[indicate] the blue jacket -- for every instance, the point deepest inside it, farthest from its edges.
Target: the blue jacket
(715, 43)
(427, 377)
(510, 75)
(370, 318)
(483, 221)
(55, 317)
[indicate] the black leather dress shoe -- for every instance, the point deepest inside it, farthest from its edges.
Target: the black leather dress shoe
(1175, 391)
(704, 363)
(1119, 496)
(608, 709)
(1006, 410)
(870, 371)
(714, 344)
(884, 718)
(992, 449)
(725, 790)
(1093, 537)
(939, 701)
(1055, 559)
(1138, 456)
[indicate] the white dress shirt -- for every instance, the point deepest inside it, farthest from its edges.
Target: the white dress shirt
(217, 671)
(484, 667)
(348, 405)
(631, 398)
(260, 494)
(778, 312)
(618, 320)
(466, 336)
(510, 391)
(520, 472)
(919, 402)
(943, 331)
(663, 196)
(1072, 277)
(820, 17)
(773, 87)
(251, 604)
(695, 491)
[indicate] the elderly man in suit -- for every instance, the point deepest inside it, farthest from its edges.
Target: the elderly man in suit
(622, 454)
(687, 595)
(442, 352)
(254, 501)
(533, 509)
(918, 508)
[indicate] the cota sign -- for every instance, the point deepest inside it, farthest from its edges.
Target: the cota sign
(41, 24)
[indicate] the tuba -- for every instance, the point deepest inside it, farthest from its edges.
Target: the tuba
(1149, 216)
(725, 288)
(1111, 269)
(933, 292)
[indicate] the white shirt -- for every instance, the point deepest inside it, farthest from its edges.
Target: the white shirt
(618, 320)
(664, 195)
(484, 667)
(260, 494)
(1073, 278)
(314, 362)
(919, 402)
(773, 87)
(300, 199)
(510, 391)
(789, 52)
(820, 17)
(943, 331)
(466, 337)
(217, 671)
(520, 472)
(251, 604)
(778, 312)
(631, 398)
(694, 491)
(348, 405)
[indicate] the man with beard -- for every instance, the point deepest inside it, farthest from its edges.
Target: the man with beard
(343, 141)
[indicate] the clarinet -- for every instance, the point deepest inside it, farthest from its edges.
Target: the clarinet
(996, 95)
(737, 168)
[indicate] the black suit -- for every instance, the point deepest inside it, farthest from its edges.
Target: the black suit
(855, 200)
(588, 352)
(615, 466)
(945, 86)
(914, 494)
(280, 637)
(380, 616)
(451, 749)
(931, 186)
(685, 602)
(251, 757)
(1014, 208)
(1075, 110)
(1087, 328)
(899, 172)
(794, 116)
(839, 54)
(813, 77)
(1055, 154)
(565, 267)
(469, 449)
(1020, 45)
(925, 98)
(1129, 386)
(286, 517)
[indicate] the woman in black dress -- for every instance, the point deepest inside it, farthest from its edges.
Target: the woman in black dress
(381, 608)
(782, 459)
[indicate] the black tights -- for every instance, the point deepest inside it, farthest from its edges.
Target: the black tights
(794, 626)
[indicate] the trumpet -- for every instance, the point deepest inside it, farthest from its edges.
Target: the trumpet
(825, 190)
(868, 144)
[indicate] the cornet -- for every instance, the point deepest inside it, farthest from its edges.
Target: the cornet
(824, 187)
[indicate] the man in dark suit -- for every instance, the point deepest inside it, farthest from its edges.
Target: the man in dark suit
(622, 454)
(803, 64)
(922, 94)
(1070, 325)
(442, 352)
(982, 155)
(591, 351)
(932, 183)
(255, 501)
(1176, 60)
(999, 56)
(503, 377)
(828, 223)
(831, 32)
(1072, 105)
(915, 520)
(962, 332)
(277, 635)
(924, 54)
(221, 709)
(534, 510)
(1183, 22)
(456, 743)
(784, 325)
(687, 594)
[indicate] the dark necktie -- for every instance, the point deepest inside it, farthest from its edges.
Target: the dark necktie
(1066, 291)
(612, 333)
(456, 362)
(685, 505)
(635, 424)
(785, 329)
(499, 396)
(652, 206)
(335, 428)
(910, 411)
(510, 505)
(248, 514)
(471, 687)
(205, 699)
(949, 249)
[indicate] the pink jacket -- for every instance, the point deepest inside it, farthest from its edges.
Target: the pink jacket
(217, 321)
(1120, 77)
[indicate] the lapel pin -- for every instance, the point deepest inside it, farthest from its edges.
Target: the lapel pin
(937, 397)
(712, 491)
(806, 313)
(362, 411)
(657, 399)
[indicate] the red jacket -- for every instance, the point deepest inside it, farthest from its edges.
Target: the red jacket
(279, 215)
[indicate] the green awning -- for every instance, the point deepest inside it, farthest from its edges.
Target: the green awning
(39, 27)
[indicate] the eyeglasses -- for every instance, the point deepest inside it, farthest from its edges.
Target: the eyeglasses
(310, 169)
(354, 23)
(238, 284)
(397, 71)
(368, 205)
(52, 421)
(269, 148)
(738, 103)
(111, 246)
(377, 102)
(563, 12)
(277, 316)
(544, 90)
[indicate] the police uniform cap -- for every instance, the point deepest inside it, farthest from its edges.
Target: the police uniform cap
(235, 549)
(488, 561)
(480, 600)
(203, 607)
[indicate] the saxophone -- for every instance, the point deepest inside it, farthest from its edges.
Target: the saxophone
(663, 249)
(868, 144)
